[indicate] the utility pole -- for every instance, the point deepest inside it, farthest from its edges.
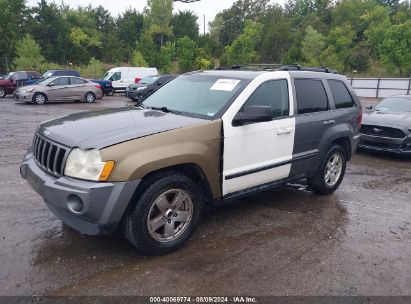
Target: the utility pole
(7, 64)
(204, 23)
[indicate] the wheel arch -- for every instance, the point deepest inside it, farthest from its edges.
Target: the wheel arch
(192, 170)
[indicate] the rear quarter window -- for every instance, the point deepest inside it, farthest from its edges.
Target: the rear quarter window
(341, 95)
(311, 96)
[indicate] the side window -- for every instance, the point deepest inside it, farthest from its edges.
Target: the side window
(274, 94)
(342, 97)
(311, 96)
(75, 81)
(116, 76)
(61, 81)
(19, 76)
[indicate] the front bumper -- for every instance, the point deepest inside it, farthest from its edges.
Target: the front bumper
(400, 146)
(23, 96)
(135, 95)
(104, 203)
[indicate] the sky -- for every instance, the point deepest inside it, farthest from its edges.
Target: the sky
(209, 8)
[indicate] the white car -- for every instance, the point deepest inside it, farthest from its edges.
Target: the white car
(123, 77)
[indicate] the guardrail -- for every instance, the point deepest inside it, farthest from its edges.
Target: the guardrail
(381, 87)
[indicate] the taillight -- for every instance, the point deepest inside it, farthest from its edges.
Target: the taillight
(359, 119)
(99, 87)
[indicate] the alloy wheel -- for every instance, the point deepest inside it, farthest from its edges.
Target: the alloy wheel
(170, 215)
(90, 98)
(333, 170)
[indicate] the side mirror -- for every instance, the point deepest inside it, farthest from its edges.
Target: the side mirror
(369, 107)
(253, 114)
(51, 84)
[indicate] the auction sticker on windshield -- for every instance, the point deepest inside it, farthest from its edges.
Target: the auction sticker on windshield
(225, 85)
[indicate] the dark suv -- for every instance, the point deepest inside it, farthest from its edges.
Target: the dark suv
(146, 86)
(14, 80)
(208, 136)
(53, 73)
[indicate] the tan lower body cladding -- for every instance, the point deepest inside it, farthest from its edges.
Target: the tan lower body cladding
(199, 144)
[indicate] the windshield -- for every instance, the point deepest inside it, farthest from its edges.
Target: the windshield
(106, 76)
(8, 76)
(47, 74)
(149, 80)
(395, 104)
(199, 95)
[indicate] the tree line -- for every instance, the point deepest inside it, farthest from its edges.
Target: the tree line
(352, 36)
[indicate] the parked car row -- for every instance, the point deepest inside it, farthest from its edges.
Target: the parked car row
(115, 80)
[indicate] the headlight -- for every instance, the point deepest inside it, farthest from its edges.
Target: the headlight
(87, 165)
(141, 88)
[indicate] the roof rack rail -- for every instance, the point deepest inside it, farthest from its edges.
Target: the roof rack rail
(277, 67)
(296, 67)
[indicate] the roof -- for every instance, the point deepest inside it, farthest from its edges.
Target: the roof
(249, 75)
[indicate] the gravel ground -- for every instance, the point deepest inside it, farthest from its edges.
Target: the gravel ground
(284, 242)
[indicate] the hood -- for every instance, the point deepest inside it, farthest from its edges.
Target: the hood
(399, 119)
(4, 82)
(25, 88)
(100, 129)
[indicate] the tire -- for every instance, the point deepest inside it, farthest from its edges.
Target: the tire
(329, 177)
(2, 92)
(90, 97)
(153, 205)
(39, 98)
(111, 93)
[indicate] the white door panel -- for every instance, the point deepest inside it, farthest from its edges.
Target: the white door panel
(258, 153)
(256, 179)
(256, 147)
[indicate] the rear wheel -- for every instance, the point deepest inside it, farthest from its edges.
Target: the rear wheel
(90, 97)
(164, 215)
(331, 172)
(2, 92)
(39, 98)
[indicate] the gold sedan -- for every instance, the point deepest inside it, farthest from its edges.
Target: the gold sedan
(62, 88)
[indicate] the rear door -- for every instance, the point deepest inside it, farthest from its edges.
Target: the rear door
(313, 118)
(259, 153)
(77, 88)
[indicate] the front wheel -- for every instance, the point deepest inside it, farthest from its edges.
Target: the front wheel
(39, 98)
(90, 97)
(331, 172)
(2, 92)
(165, 214)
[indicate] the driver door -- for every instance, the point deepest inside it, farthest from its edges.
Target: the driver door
(59, 89)
(259, 153)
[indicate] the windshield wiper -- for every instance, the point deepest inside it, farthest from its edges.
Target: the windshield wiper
(165, 110)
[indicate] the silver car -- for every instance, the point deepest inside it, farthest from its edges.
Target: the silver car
(61, 88)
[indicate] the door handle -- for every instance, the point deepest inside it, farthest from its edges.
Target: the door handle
(285, 131)
(328, 122)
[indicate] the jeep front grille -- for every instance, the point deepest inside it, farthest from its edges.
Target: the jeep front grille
(382, 131)
(49, 155)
